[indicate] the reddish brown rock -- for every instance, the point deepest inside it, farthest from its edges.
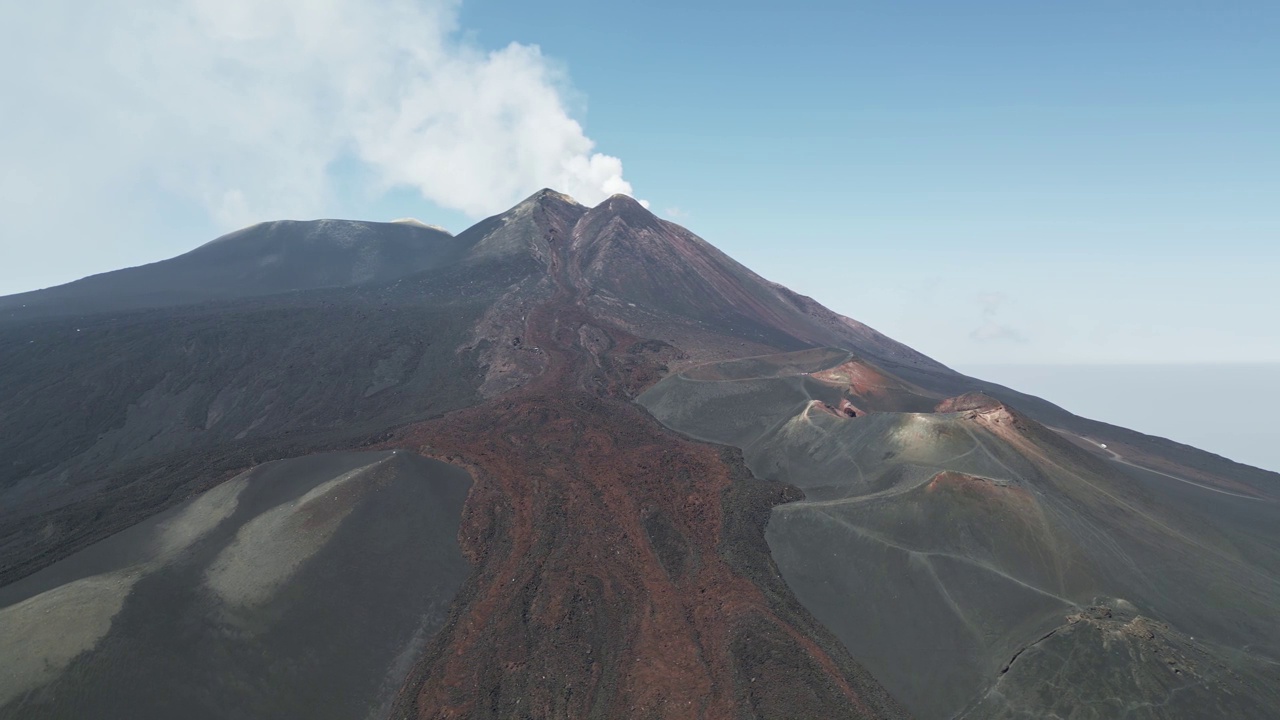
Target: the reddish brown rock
(620, 569)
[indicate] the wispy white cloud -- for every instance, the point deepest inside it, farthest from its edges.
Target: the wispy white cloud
(991, 329)
(241, 108)
(990, 302)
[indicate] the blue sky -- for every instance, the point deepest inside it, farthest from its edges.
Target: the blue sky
(989, 182)
(1101, 179)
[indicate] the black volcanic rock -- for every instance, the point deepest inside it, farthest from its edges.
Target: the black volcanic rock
(265, 259)
(628, 210)
(762, 555)
(529, 228)
(287, 591)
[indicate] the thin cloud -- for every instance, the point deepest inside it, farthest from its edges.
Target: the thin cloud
(991, 302)
(243, 109)
(991, 331)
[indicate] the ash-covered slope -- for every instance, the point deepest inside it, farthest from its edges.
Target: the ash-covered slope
(264, 259)
(108, 418)
(636, 265)
(288, 591)
(617, 568)
(972, 557)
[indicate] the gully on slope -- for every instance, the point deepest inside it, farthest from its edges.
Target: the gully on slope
(620, 569)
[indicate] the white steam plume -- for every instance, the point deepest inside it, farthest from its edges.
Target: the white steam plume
(244, 108)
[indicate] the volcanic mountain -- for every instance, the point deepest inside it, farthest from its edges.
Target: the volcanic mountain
(577, 463)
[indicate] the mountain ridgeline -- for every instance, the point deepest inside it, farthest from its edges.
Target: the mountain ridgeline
(578, 463)
(264, 259)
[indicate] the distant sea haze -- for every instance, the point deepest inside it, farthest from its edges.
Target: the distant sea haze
(1230, 410)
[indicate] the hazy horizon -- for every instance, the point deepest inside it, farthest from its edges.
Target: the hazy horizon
(1164, 400)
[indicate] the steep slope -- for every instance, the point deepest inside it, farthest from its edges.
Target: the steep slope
(829, 525)
(650, 272)
(292, 590)
(620, 570)
(697, 620)
(110, 414)
(109, 418)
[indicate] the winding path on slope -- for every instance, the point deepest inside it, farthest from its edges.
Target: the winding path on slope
(620, 569)
(1117, 457)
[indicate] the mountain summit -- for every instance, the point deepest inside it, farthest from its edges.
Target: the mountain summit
(577, 462)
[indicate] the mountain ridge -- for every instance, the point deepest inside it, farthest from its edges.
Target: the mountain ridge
(268, 258)
(694, 493)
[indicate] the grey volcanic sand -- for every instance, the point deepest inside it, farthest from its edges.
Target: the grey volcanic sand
(302, 588)
(939, 550)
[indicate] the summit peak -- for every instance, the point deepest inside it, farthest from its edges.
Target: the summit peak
(620, 200)
(549, 194)
(630, 210)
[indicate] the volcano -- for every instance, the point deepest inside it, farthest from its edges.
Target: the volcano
(578, 463)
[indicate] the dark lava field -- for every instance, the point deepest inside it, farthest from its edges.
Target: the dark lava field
(577, 463)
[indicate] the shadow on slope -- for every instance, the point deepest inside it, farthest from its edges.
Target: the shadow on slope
(108, 419)
(303, 588)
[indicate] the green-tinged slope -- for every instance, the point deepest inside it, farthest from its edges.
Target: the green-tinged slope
(938, 545)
